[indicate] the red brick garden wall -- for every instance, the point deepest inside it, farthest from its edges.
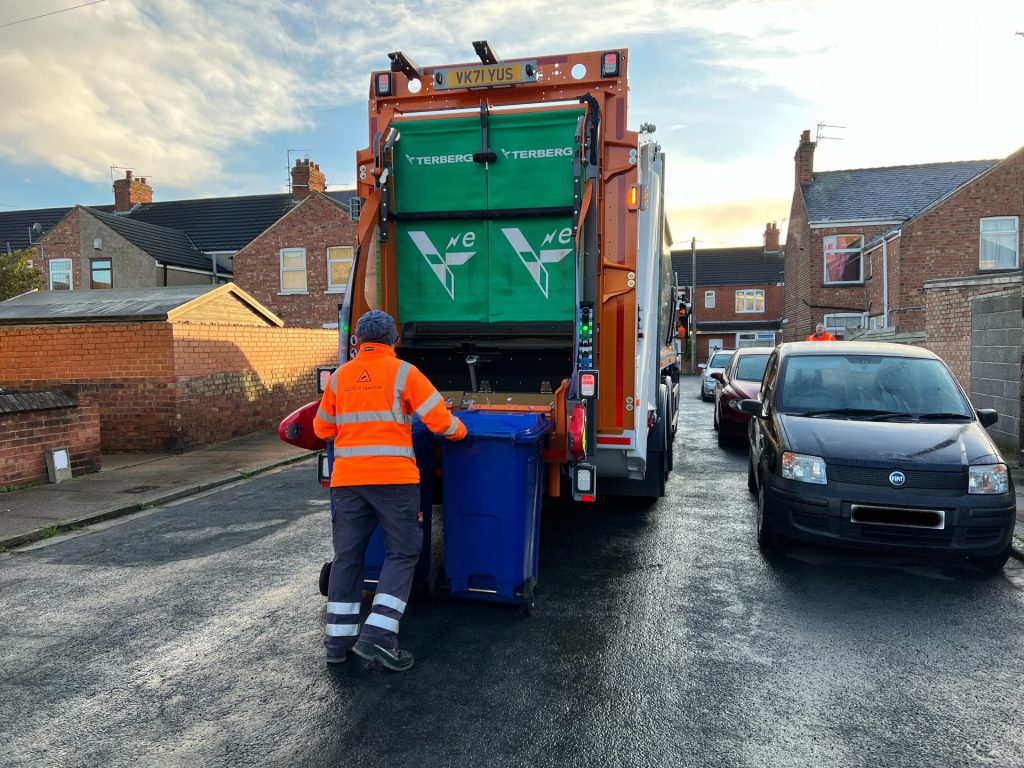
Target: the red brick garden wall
(164, 387)
(24, 438)
(234, 380)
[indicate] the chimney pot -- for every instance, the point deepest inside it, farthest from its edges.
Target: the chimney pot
(128, 175)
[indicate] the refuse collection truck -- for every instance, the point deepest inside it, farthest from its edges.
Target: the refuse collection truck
(513, 225)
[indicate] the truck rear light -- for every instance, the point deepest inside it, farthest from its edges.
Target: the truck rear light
(383, 84)
(610, 64)
(578, 432)
(634, 197)
(584, 482)
(323, 469)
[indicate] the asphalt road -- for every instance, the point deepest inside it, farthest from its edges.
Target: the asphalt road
(191, 636)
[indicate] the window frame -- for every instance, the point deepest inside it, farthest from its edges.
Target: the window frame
(92, 272)
(758, 336)
(824, 259)
(833, 328)
(709, 299)
(1016, 241)
(332, 287)
(746, 293)
(282, 270)
(71, 274)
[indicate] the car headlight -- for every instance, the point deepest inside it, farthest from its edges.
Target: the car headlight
(806, 469)
(988, 478)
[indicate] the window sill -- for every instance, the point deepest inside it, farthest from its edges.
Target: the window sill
(335, 291)
(293, 293)
(852, 284)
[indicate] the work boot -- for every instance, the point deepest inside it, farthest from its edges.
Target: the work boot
(392, 658)
(337, 658)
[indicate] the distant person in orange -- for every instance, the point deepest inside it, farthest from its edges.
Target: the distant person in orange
(820, 334)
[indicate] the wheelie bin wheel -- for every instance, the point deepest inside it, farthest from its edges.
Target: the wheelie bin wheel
(529, 596)
(325, 577)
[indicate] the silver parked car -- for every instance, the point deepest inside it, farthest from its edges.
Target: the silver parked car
(719, 359)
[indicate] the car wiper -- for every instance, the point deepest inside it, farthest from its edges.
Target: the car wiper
(964, 416)
(871, 414)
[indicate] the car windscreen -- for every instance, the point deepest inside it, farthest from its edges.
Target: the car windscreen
(720, 360)
(751, 367)
(869, 386)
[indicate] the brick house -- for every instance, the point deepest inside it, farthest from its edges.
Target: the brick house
(862, 243)
(738, 295)
(138, 243)
(299, 267)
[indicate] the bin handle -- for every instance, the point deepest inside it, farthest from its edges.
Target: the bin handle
(530, 435)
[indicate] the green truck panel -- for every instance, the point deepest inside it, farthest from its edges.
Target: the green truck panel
(499, 270)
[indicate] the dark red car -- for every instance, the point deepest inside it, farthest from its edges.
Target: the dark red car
(741, 380)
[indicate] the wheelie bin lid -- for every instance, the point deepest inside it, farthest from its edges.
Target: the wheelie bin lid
(518, 427)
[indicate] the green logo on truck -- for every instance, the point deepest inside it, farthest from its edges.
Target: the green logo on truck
(441, 265)
(534, 261)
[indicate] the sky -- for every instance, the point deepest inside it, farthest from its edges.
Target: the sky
(207, 97)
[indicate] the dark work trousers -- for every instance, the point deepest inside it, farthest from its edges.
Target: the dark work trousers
(357, 511)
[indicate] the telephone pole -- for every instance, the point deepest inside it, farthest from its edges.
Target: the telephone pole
(693, 305)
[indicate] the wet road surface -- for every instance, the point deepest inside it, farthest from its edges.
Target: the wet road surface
(191, 636)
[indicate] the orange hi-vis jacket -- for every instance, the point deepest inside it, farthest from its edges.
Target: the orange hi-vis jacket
(826, 336)
(367, 410)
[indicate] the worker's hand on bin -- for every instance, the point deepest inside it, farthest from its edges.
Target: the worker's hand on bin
(460, 429)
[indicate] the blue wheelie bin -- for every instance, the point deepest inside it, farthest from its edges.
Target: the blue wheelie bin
(492, 498)
(423, 444)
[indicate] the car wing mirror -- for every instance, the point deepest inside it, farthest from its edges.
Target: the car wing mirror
(753, 407)
(701, 366)
(987, 416)
(718, 376)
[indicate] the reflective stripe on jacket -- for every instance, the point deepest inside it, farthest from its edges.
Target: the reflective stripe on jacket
(367, 410)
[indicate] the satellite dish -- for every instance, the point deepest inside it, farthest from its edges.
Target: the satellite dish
(37, 229)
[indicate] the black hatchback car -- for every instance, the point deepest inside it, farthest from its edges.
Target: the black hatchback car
(875, 445)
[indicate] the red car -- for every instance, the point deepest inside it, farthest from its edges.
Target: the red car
(741, 380)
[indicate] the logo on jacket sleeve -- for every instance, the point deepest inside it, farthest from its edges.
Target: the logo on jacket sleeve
(364, 377)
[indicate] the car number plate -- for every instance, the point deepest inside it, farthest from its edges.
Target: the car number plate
(485, 75)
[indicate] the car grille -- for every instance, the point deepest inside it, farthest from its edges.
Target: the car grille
(944, 481)
(891, 534)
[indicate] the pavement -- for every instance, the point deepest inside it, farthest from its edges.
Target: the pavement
(128, 483)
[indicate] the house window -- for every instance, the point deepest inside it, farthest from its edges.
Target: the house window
(339, 263)
(843, 263)
(60, 275)
(1000, 239)
(755, 339)
(293, 270)
(839, 323)
(101, 274)
(709, 299)
(750, 300)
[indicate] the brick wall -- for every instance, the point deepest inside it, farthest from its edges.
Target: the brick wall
(725, 303)
(26, 435)
(945, 241)
(948, 317)
(315, 224)
(61, 242)
(996, 363)
(164, 387)
(234, 380)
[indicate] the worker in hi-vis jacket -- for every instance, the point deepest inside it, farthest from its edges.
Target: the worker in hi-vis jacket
(367, 410)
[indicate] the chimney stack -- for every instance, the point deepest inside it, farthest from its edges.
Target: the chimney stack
(129, 192)
(771, 237)
(306, 177)
(804, 158)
